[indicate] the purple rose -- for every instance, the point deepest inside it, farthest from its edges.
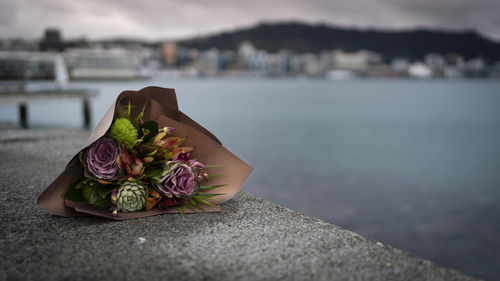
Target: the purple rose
(102, 159)
(177, 180)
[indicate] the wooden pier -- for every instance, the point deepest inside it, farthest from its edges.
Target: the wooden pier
(17, 93)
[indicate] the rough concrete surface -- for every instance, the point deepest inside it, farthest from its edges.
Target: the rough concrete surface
(252, 239)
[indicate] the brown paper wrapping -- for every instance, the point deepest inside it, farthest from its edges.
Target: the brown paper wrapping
(161, 106)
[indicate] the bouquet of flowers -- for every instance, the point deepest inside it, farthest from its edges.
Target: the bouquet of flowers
(137, 165)
(144, 158)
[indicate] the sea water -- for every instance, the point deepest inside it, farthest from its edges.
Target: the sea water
(414, 164)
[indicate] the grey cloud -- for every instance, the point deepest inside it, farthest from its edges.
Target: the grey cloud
(8, 13)
(157, 19)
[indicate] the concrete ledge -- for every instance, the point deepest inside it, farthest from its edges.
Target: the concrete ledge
(252, 239)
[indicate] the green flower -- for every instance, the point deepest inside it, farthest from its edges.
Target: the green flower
(131, 196)
(124, 131)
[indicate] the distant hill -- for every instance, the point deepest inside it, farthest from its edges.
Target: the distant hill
(299, 37)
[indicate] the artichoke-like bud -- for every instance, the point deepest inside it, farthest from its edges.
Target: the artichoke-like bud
(124, 131)
(131, 196)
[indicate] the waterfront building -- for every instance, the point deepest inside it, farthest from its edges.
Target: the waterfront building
(419, 70)
(399, 66)
(52, 41)
(169, 52)
(358, 61)
(21, 65)
(435, 61)
(476, 67)
(113, 63)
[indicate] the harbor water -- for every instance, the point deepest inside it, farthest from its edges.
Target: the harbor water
(414, 164)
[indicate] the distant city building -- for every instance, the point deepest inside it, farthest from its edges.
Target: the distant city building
(477, 64)
(400, 66)
(476, 67)
(129, 59)
(18, 44)
(209, 63)
(278, 64)
(52, 41)
(182, 56)
(452, 72)
(252, 59)
(455, 60)
(419, 70)
(103, 63)
(246, 50)
(435, 61)
(355, 61)
(227, 60)
(312, 65)
(495, 70)
(169, 52)
(22, 65)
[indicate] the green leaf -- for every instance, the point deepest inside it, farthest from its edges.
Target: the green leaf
(80, 157)
(146, 148)
(139, 116)
(152, 152)
(209, 187)
(104, 203)
(105, 190)
(216, 175)
(193, 203)
(168, 155)
(190, 208)
(93, 197)
(153, 173)
(203, 201)
(74, 194)
(208, 195)
(156, 163)
(118, 113)
(136, 143)
(129, 109)
(88, 191)
(180, 210)
(151, 127)
(145, 131)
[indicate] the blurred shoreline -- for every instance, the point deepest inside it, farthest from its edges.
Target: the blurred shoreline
(266, 50)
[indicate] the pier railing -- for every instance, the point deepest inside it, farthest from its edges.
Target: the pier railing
(16, 92)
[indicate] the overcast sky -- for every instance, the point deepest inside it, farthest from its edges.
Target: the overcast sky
(172, 19)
